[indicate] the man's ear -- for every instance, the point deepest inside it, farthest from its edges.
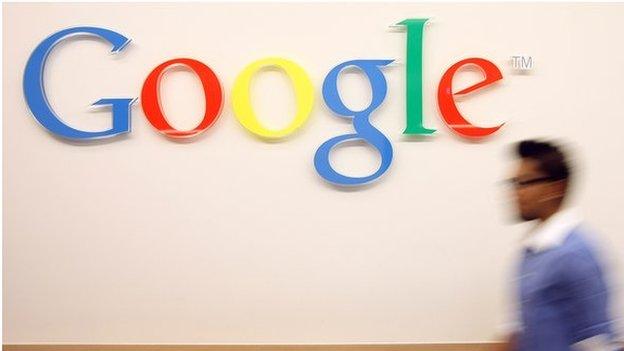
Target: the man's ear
(556, 190)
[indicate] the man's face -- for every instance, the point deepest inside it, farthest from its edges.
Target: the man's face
(531, 189)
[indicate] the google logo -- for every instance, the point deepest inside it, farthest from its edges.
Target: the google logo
(37, 101)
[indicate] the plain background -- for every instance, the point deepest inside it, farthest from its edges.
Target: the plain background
(230, 239)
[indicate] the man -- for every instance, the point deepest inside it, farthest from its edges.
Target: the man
(561, 290)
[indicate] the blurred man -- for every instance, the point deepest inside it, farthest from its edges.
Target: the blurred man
(561, 290)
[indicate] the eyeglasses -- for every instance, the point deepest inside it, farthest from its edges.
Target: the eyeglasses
(522, 183)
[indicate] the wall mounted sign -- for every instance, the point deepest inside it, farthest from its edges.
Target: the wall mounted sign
(34, 91)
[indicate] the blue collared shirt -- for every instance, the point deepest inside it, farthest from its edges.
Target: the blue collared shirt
(562, 294)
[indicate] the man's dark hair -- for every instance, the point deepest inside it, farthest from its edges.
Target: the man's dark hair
(550, 158)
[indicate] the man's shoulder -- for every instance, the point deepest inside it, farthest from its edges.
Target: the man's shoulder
(578, 251)
(580, 241)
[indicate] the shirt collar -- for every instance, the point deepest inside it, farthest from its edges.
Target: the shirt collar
(553, 231)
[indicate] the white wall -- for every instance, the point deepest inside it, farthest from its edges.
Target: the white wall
(229, 239)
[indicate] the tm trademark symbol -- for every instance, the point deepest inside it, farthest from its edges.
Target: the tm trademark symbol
(522, 62)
